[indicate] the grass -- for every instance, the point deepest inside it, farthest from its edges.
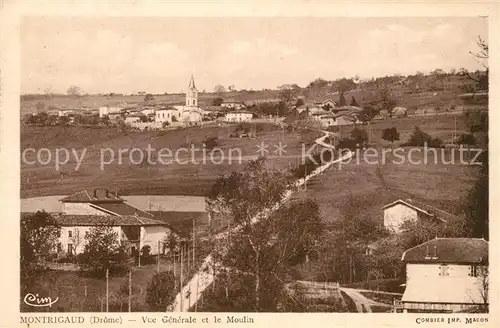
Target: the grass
(79, 293)
(129, 178)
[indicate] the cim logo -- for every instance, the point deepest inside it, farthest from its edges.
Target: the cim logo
(36, 301)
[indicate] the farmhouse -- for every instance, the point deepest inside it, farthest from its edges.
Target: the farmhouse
(446, 275)
(400, 211)
(101, 207)
(238, 116)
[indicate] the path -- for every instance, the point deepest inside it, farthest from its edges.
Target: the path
(363, 304)
(192, 291)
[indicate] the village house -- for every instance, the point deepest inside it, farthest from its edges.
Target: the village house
(400, 211)
(166, 114)
(107, 111)
(100, 207)
(134, 118)
(232, 105)
(238, 116)
(446, 275)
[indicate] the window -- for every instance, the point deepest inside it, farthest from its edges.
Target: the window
(473, 271)
(86, 233)
(59, 247)
(444, 270)
(70, 234)
(70, 248)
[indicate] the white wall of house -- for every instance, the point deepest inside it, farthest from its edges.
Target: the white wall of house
(238, 117)
(150, 235)
(191, 116)
(438, 283)
(80, 209)
(395, 215)
(132, 119)
(75, 236)
(166, 116)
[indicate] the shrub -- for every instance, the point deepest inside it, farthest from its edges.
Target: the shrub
(420, 139)
(102, 252)
(390, 134)
(161, 291)
(211, 143)
(466, 139)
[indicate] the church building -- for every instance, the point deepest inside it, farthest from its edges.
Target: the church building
(190, 113)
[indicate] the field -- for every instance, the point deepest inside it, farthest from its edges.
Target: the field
(139, 178)
(78, 293)
(374, 182)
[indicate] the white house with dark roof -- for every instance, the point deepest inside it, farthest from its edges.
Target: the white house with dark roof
(100, 207)
(446, 275)
(400, 211)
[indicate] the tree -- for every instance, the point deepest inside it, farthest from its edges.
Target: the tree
(367, 114)
(354, 102)
(477, 204)
(231, 88)
(39, 235)
(480, 79)
(359, 136)
(217, 101)
(243, 196)
(102, 251)
(149, 99)
(386, 101)
(161, 291)
(342, 101)
(211, 143)
(219, 89)
(299, 102)
(40, 106)
(74, 91)
(420, 139)
(288, 93)
(390, 134)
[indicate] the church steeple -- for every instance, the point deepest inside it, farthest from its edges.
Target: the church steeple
(192, 94)
(191, 83)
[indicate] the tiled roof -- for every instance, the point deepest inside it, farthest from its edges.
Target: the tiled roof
(182, 222)
(101, 220)
(449, 250)
(121, 209)
(423, 208)
(85, 195)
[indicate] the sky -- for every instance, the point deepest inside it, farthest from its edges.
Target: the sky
(157, 55)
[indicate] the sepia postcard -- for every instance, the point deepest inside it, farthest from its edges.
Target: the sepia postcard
(243, 164)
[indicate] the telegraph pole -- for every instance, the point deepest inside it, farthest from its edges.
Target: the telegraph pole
(107, 290)
(194, 242)
(130, 291)
(158, 256)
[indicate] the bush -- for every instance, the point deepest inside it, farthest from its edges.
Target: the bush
(211, 143)
(161, 291)
(347, 143)
(102, 252)
(420, 139)
(466, 139)
(390, 134)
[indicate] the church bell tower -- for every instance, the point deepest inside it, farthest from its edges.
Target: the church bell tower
(192, 94)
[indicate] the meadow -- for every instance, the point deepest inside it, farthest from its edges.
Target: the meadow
(144, 179)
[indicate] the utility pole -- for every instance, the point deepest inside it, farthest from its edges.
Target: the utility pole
(194, 242)
(107, 290)
(130, 291)
(158, 256)
(180, 287)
